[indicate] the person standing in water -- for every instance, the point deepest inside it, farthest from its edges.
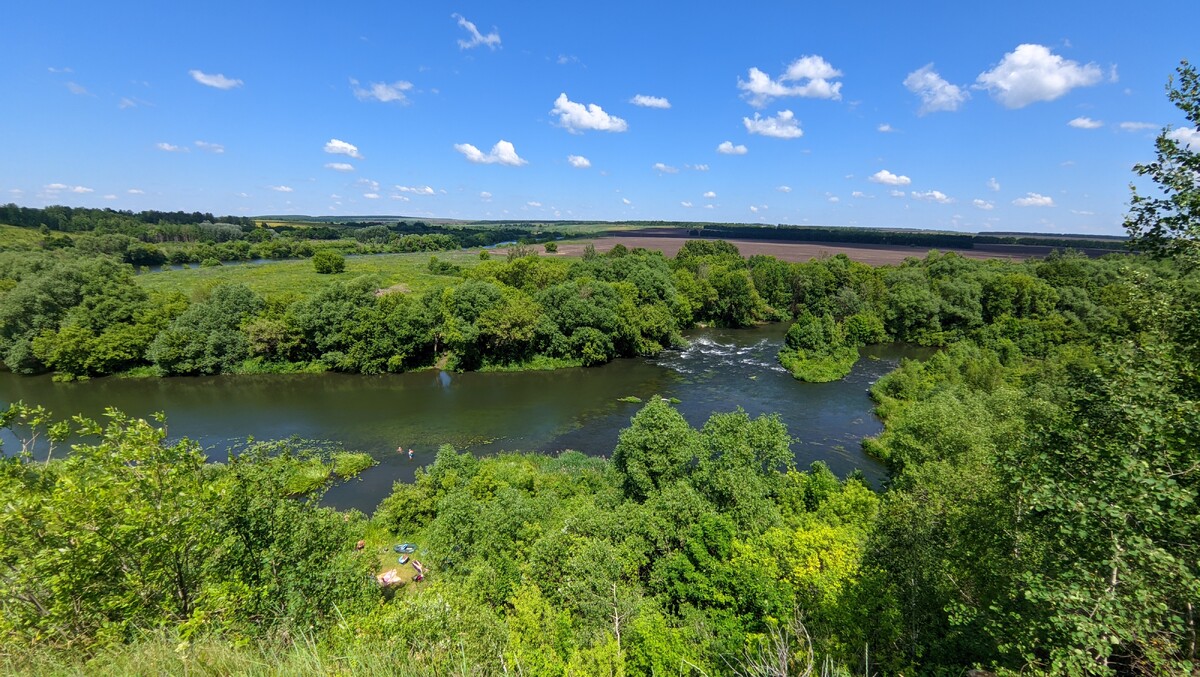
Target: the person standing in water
(410, 453)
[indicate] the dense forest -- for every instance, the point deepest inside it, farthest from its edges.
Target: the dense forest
(1041, 516)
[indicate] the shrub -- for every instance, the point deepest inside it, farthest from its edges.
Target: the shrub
(327, 261)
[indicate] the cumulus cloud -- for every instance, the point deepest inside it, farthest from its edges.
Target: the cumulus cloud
(53, 189)
(371, 184)
(382, 91)
(889, 179)
(983, 204)
(784, 189)
(626, 201)
(576, 117)
(281, 189)
(858, 193)
(1034, 200)
(993, 184)
(709, 207)
(339, 166)
(897, 193)
(579, 161)
(217, 80)
(933, 196)
(936, 93)
(136, 191)
(210, 147)
(809, 76)
(503, 153)
(485, 196)
(1085, 123)
(1186, 137)
(685, 203)
(110, 197)
(416, 190)
(699, 168)
(170, 147)
(665, 168)
(1137, 126)
(885, 128)
(833, 198)
(338, 147)
(783, 126)
(710, 195)
(650, 101)
(533, 203)
(728, 148)
(1032, 73)
(492, 40)
(371, 196)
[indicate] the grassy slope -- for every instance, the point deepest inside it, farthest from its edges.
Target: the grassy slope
(12, 237)
(298, 276)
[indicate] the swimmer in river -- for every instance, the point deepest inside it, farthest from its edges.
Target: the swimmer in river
(410, 453)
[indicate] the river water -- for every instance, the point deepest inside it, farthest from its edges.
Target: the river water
(485, 413)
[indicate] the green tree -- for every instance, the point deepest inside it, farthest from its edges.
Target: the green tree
(326, 261)
(658, 448)
(1170, 225)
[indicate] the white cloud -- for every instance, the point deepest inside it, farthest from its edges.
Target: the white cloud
(81, 190)
(1085, 123)
(52, 69)
(784, 189)
(170, 147)
(485, 196)
(1186, 137)
(933, 196)
(579, 161)
(709, 207)
(754, 209)
(339, 166)
(1082, 212)
(710, 195)
(983, 204)
(136, 191)
(626, 201)
(650, 101)
(531, 203)
(897, 193)
(889, 179)
(210, 147)
(371, 196)
(281, 189)
(699, 168)
(382, 91)
(885, 128)
(685, 204)
(993, 184)
(936, 93)
(78, 89)
(399, 197)
(338, 147)
(371, 184)
(126, 102)
(576, 117)
(1031, 73)
(833, 198)
(1137, 126)
(492, 40)
(665, 169)
(783, 126)
(858, 193)
(110, 197)
(811, 73)
(416, 190)
(218, 80)
(503, 153)
(727, 148)
(1034, 200)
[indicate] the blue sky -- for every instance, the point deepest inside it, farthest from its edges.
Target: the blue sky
(1014, 116)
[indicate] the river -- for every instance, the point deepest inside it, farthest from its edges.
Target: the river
(546, 411)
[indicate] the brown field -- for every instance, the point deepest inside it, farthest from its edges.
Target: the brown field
(801, 251)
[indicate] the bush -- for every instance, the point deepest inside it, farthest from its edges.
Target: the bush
(327, 261)
(551, 247)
